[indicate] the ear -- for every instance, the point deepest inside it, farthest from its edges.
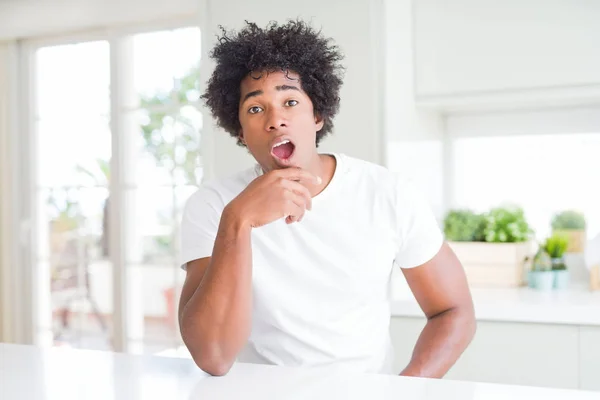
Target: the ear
(241, 136)
(319, 121)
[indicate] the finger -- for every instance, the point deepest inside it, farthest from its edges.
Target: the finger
(299, 189)
(295, 208)
(298, 174)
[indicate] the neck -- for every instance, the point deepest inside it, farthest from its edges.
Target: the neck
(323, 166)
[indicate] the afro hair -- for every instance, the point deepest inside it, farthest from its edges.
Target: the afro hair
(294, 46)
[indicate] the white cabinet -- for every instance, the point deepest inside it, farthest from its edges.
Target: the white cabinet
(404, 333)
(516, 353)
(523, 354)
(484, 46)
(589, 344)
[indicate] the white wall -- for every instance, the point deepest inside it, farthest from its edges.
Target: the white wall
(526, 122)
(414, 137)
(355, 26)
(4, 270)
(467, 46)
(31, 18)
(9, 306)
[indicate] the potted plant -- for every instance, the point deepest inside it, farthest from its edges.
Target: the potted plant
(464, 226)
(572, 224)
(492, 246)
(556, 246)
(541, 275)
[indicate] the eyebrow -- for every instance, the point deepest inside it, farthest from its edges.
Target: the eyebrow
(278, 88)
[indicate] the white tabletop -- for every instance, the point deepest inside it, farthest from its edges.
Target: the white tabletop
(574, 306)
(28, 373)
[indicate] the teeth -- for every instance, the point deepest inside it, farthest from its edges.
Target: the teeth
(280, 143)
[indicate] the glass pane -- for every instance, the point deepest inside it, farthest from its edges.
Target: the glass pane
(153, 297)
(77, 267)
(153, 273)
(73, 154)
(166, 66)
(73, 79)
(187, 151)
(542, 173)
(182, 194)
(154, 223)
(156, 143)
(186, 50)
(169, 147)
(74, 150)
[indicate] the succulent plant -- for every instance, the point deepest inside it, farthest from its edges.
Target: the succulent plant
(541, 261)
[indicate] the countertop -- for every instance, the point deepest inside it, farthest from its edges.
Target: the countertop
(574, 306)
(27, 372)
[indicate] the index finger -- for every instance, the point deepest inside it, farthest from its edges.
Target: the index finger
(298, 174)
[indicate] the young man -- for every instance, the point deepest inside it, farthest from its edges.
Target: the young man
(289, 262)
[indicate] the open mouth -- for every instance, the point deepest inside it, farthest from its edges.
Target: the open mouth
(283, 150)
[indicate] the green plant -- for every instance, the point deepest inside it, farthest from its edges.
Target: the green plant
(464, 226)
(556, 245)
(506, 225)
(65, 213)
(568, 219)
(171, 137)
(541, 261)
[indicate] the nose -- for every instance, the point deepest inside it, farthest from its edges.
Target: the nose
(275, 120)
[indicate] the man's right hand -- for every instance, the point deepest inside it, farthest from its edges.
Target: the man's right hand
(277, 194)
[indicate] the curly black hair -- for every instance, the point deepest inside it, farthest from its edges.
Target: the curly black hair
(294, 46)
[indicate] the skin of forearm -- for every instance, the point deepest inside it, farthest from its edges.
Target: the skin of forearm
(216, 321)
(441, 343)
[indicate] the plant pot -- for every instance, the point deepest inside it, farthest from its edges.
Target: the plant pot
(577, 239)
(541, 280)
(531, 279)
(489, 265)
(561, 279)
(595, 277)
(558, 263)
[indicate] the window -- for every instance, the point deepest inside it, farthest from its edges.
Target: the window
(542, 173)
(136, 95)
(74, 147)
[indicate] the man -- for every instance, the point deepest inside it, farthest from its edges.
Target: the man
(289, 262)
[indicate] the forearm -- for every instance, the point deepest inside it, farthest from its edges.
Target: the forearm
(216, 321)
(441, 343)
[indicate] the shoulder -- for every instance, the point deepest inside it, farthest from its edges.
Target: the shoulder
(361, 169)
(375, 176)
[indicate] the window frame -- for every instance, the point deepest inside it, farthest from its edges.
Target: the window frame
(30, 279)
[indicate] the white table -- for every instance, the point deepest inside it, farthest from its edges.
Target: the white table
(31, 373)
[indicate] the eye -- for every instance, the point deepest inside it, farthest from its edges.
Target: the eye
(254, 110)
(291, 103)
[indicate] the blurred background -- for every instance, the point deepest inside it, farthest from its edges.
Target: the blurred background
(492, 108)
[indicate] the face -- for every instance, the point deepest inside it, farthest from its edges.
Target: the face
(279, 126)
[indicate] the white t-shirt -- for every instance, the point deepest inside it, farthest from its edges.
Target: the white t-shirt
(321, 287)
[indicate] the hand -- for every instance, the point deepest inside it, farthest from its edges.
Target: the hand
(276, 194)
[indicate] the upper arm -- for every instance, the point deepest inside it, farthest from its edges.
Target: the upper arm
(433, 272)
(440, 284)
(195, 271)
(199, 226)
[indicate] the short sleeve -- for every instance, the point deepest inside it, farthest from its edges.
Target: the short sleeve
(420, 235)
(199, 226)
